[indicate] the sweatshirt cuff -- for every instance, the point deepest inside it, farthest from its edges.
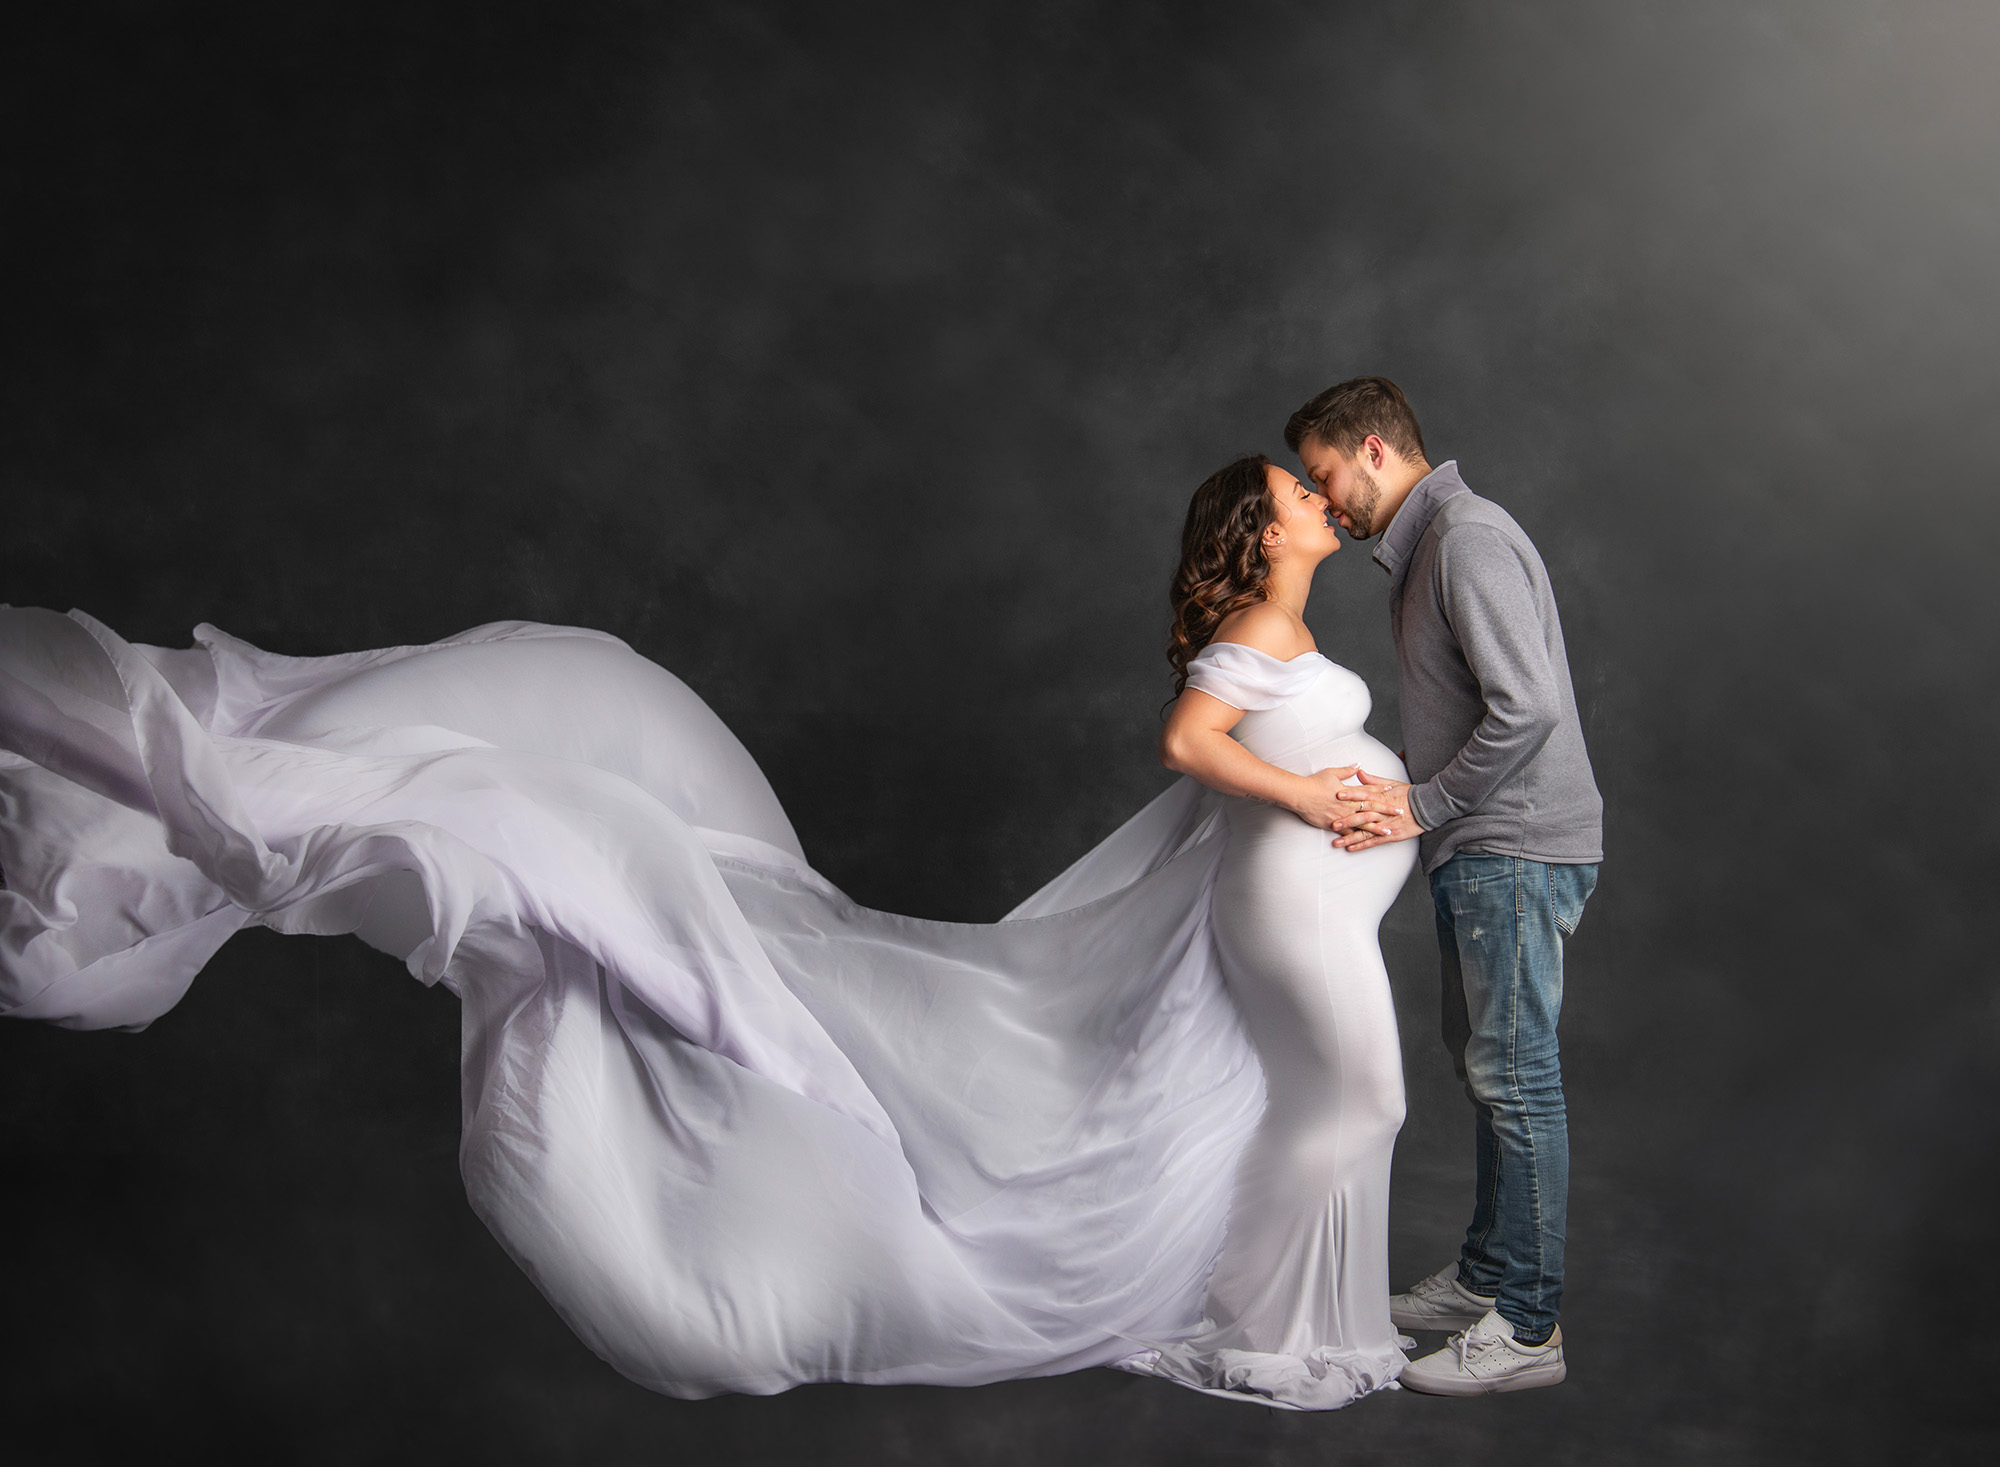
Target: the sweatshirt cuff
(1427, 805)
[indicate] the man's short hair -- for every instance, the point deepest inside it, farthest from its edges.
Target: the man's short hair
(1346, 413)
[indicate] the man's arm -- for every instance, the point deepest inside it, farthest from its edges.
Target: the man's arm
(1490, 602)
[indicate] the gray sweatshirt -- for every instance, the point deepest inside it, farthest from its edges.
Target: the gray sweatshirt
(1494, 747)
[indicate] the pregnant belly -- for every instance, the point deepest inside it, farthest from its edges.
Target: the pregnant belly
(1276, 864)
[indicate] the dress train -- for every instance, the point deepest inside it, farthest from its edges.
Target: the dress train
(741, 1132)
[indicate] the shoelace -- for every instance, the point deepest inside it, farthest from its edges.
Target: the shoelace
(1473, 1343)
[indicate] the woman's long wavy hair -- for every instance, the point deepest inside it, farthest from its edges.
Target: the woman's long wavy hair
(1222, 567)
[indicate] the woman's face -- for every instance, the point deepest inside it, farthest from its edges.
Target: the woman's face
(1304, 519)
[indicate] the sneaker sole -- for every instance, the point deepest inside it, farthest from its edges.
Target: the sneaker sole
(1499, 1385)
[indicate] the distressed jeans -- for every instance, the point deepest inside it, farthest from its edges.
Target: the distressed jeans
(1501, 924)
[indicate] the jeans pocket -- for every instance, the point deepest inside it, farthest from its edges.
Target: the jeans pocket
(1569, 889)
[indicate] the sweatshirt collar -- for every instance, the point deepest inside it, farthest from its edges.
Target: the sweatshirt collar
(1399, 541)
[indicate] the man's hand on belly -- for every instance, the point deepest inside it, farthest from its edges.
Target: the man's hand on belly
(1380, 814)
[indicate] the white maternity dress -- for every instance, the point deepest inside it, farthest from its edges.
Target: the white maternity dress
(742, 1133)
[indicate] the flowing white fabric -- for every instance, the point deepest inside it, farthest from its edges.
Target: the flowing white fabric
(742, 1133)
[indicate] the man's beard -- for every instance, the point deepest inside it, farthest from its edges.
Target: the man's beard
(1361, 502)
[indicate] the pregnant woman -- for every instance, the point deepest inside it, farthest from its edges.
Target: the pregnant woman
(741, 1132)
(1303, 1272)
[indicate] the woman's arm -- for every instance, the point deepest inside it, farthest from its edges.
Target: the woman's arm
(1196, 741)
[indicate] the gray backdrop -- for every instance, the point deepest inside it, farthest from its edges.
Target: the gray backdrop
(856, 363)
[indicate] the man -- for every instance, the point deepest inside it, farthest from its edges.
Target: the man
(1510, 823)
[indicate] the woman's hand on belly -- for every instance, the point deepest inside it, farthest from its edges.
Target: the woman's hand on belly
(1320, 804)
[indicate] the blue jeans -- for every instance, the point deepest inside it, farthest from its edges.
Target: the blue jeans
(1501, 924)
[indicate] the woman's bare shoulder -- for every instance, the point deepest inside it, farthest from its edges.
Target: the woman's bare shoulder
(1268, 628)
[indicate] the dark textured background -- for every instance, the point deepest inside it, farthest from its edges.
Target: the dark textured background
(856, 362)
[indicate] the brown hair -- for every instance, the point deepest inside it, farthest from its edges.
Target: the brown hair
(1346, 413)
(1222, 567)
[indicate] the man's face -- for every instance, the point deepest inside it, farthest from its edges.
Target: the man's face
(1351, 489)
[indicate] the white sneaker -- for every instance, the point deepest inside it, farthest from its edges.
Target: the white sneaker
(1439, 1302)
(1485, 1360)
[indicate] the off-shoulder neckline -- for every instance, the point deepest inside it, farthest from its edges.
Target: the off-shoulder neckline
(1281, 661)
